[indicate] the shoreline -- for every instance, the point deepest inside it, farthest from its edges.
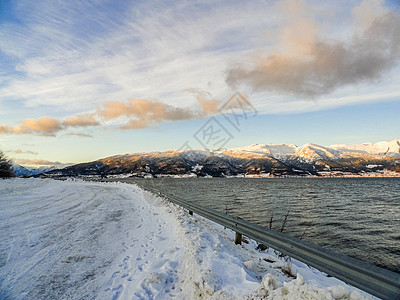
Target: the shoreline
(385, 174)
(158, 250)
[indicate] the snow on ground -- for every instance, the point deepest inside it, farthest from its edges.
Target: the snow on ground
(87, 240)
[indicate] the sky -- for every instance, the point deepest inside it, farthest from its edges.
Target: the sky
(83, 80)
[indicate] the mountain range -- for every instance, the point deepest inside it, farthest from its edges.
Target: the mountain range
(31, 171)
(382, 158)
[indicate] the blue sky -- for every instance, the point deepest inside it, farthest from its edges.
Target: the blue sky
(81, 80)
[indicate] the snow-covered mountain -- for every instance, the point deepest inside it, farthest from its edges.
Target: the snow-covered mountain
(391, 148)
(256, 159)
(314, 151)
(31, 171)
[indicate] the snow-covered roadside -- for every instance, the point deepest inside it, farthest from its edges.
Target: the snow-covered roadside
(86, 240)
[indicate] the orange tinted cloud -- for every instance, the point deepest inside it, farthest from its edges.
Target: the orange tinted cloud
(48, 126)
(145, 112)
(210, 106)
(141, 113)
(146, 109)
(43, 126)
(113, 110)
(82, 120)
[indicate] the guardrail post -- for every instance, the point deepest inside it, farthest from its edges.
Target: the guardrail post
(238, 238)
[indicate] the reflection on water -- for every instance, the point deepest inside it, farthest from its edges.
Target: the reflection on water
(359, 217)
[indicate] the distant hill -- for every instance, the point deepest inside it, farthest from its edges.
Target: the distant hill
(253, 160)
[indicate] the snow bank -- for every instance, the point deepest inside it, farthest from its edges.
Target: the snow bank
(86, 240)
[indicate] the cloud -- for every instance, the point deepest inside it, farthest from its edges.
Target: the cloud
(19, 151)
(80, 134)
(119, 58)
(5, 129)
(146, 110)
(143, 113)
(23, 161)
(45, 126)
(309, 65)
(210, 106)
(82, 120)
(48, 126)
(364, 15)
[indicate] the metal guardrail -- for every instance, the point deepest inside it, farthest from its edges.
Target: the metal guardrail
(372, 279)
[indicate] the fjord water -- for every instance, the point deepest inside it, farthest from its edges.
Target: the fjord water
(359, 217)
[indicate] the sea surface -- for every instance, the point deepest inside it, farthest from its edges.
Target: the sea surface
(359, 217)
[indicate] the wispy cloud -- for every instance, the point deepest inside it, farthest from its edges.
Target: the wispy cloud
(307, 63)
(147, 50)
(84, 135)
(19, 151)
(41, 162)
(160, 52)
